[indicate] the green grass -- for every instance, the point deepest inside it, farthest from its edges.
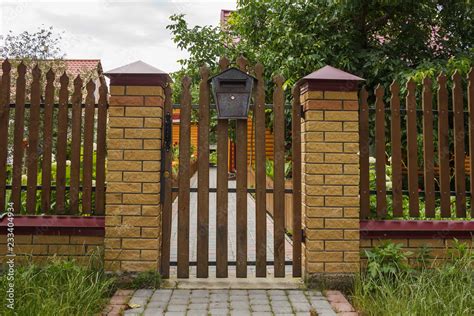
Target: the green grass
(440, 288)
(58, 287)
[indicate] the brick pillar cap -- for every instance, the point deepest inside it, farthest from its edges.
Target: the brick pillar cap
(330, 78)
(137, 74)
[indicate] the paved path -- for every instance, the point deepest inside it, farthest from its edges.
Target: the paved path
(251, 243)
(228, 302)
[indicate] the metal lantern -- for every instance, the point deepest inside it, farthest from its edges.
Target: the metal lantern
(232, 90)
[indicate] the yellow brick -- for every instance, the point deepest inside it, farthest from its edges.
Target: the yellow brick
(432, 243)
(312, 223)
(344, 245)
(312, 179)
(113, 198)
(50, 239)
(351, 169)
(124, 187)
(141, 176)
(124, 165)
(141, 221)
(149, 255)
(116, 111)
(314, 267)
(341, 223)
(341, 137)
(153, 155)
(125, 144)
(110, 219)
(351, 148)
(114, 155)
(152, 144)
(31, 249)
(115, 133)
(151, 166)
(365, 243)
(325, 234)
(123, 209)
(320, 147)
(151, 210)
(341, 201)
(323, 168)
(350, 126)
(113, 175)
(340, 158)
(342, 267)
(141, 198)
(128, 101)
(341, 179)
(352, 256)
(151, 188)
(153, 122)
(143, 111)
(323, 126)
(117, 90)
(351, 234)
(139, 243)
(311, 95)
(112, 265)
(88, 240)
(324, 212)
(122, 255)
(351, 190)
(341, 116)
(144, 90)
(404, 242)
(313, 157)
(312, 137)
(322, 190)
(149, 232)
(143, 133)
(125, 122)
(325, 256)
(313, 245)
(313, 200)
(67, 249)
(340, 95)
(314, 116)
(125, 230)
(112, 243)
(138, 266)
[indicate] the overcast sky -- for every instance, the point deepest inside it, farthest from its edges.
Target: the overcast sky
(116, 31)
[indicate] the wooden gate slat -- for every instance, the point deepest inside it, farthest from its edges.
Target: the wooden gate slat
(47, 143)
(18, 151)
(279, 176)
(203, 177)
(364, 154)
(167, 187)
(396, 139)
(260, 176)
(443, 147)
(33, 134)
(459, 152)
(4, 117)
(470, 101)
(428, 148)
(183, 180)
(296, 179)
(222, 188)
(101, 149)
(61, 149)
(241, 187)
(412, 149)
(380, 153)
(89, 112)
(76, 145)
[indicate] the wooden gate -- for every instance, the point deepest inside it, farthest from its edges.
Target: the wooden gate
(222, 190)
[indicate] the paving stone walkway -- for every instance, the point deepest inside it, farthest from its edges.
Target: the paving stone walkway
(232, 240)
(228, 302)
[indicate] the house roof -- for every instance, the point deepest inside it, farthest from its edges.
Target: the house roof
(75, 67)
(136, 68)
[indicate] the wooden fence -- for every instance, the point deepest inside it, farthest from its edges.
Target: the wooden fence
(424, 154)
(52, 125)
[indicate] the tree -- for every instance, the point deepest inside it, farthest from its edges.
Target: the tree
(42, 44)
(378, 40)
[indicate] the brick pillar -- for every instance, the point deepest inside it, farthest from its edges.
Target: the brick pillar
(132, 222)
(330, 145)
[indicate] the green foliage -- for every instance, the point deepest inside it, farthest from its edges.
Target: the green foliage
(213, 158)
(147, 279)
(59, 287)
(445, 287)
(386, 260)
(270, 165)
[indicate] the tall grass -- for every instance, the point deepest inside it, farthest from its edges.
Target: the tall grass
(59, 287)
(440, 288)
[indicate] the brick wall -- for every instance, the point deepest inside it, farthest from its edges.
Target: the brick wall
(132, 224)
(38, 248)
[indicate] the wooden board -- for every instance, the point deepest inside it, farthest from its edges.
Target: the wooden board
(412, 150)
(76, 142)
(380, 185)
(364, 154)
(101, 149)
(88, 149)
(61, 149)
(470, 101)
(459, 152)
(4, 117)
(47, 143)
(428, 149)
(396, 140)
(443, 147)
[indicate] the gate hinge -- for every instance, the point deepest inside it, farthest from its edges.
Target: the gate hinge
(168, 131)
(303, 235)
